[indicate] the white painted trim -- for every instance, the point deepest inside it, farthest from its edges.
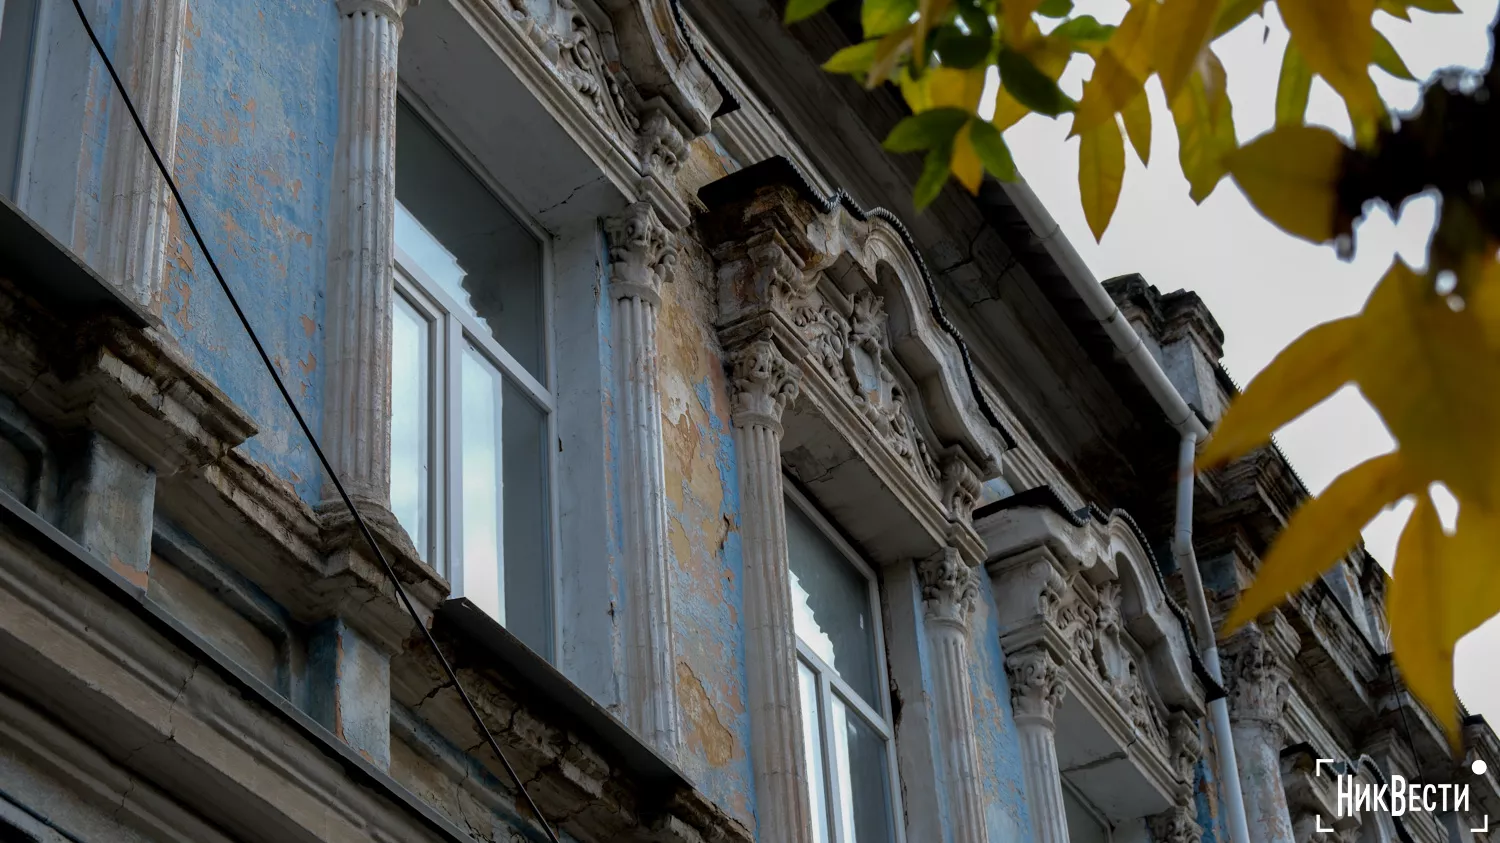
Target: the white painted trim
(829, 681)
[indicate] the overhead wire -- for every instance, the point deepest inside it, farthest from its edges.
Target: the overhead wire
(360, 523)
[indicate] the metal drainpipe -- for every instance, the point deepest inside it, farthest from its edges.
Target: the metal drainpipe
(1186, 422)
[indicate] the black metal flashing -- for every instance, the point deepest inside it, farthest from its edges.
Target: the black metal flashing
(779, 170)
(539, 680)
(728, 102)
(47, 270)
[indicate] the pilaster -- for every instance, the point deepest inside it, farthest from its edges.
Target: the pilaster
(1037, 688)
(762, 383)
(1258, 670)
(641, 255)
(357, 408)
(108, 499)
(132, 245)
(349, 688)
(949, 589)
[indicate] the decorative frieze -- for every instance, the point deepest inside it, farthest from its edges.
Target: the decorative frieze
(762, 383)
(642, 254)
(1120, 670)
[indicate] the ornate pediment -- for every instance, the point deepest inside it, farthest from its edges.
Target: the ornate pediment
(631, 65)
(844, 297)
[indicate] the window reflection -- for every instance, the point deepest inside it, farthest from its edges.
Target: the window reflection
(831, 605)
(410, 443)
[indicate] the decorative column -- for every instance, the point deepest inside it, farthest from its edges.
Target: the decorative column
(949, 589)
(132, 243)
(1179, 824)
(357, 338)
(1036, 689)
(1257, 672)
(762, 384)
(641, 256)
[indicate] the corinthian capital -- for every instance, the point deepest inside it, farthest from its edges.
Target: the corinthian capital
(1176, 825)
(641, 253)
(762, 384)
(949, 587)
(1258, 675)
(1036, 684)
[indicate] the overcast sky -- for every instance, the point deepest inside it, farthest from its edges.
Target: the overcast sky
(1265, 287)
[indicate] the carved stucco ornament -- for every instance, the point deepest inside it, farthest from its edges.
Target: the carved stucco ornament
(950, 587)
(763, 383)
(1037, 683)
(641, 253)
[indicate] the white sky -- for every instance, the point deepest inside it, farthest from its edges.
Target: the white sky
(1266, 287)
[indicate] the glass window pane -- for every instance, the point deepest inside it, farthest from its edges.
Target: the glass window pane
(411, 406)
(17, 26)
(468, 241)
(528, 529)
(860, 764)
(479, 466)
(831, 605)
(812, 745)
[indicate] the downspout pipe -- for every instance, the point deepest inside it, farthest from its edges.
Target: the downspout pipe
(1191, 429)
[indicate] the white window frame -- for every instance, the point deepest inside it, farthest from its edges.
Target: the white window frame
(830, 683)
(450, 328)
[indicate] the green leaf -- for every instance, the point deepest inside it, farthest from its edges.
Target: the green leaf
(803, 9)
(1294, 88)
(882, 16)
(928, 130)
(1055, 8)
(853, 60)
(934, 174)
(992, 150)
(961, 50)
(1388, 60)
(1031, 87)
(1084, 28)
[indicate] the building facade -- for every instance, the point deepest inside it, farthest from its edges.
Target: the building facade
(744, 508)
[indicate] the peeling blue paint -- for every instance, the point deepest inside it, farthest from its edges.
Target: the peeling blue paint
(998, 741)
(256, 126)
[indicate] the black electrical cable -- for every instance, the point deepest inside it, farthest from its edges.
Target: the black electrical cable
(364, 528)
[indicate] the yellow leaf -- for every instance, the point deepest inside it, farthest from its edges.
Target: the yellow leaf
(1320, 531)
(1120, 70)
(1294, 87)
(1443, 589)
(1236, 12)
(1394, 8)
(1182, 33)
(967, 167)
(1017, 17)
(1421, 648)
(1137, 117)
(1309, 370)
(952, 88)
(1101, 170)
(1431, 373)
(1050, 57)
(1205, 127)
(1337, 38)
(1290, 174)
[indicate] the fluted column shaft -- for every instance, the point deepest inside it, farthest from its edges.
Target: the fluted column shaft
(948, 592)
(763, 383)
(641, 257)
(1036, 687)
(1258, 679)
(357, 340)
(132, 244)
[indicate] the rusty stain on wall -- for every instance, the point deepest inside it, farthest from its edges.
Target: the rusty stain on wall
(703, 532)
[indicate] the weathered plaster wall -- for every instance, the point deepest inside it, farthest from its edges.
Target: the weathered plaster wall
(1207, 795)
(254, 158)
(995, 727)
(703, 532)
